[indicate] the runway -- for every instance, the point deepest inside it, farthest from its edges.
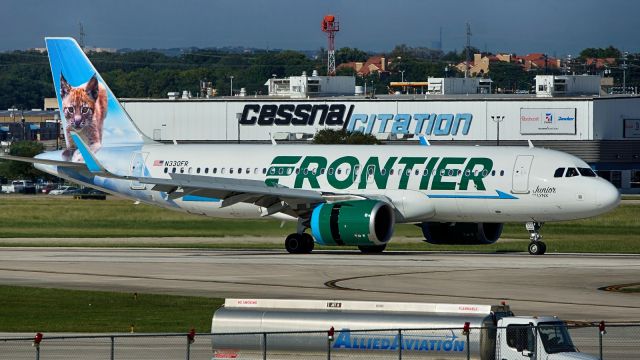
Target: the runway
(566, 285)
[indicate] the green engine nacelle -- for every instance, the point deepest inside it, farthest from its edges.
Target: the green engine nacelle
(356, 222)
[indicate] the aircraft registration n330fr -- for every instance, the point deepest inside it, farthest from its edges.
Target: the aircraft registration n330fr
(344, 195)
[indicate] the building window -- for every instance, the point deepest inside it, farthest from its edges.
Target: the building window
(635, 179)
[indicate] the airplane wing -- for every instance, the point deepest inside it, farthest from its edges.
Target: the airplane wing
(232, 191)
(274, 199)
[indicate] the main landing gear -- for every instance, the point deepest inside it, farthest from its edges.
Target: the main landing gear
(299, 243)
(536, 247)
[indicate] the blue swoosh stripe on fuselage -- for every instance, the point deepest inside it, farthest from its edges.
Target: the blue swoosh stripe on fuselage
(501, 195)
(199, 198)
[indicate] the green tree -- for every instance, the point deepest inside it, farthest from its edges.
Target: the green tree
(347, 54)
(509, 76)
(332, 136)
(600, 53)
(22, 170)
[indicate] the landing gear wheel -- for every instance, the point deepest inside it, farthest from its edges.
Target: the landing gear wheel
(294, 244)
(537, 248)
(308, 242)
(299, 243)
(372, 249)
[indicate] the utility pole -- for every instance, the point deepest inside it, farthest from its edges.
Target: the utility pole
(231, 77)
(468, 50)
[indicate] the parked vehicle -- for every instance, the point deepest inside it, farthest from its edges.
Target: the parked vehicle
(48, 188)
(427, 331)
(23, 186)
(64, 190)
(90, 194)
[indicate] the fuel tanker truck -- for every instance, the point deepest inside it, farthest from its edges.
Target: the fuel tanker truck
(317, 329)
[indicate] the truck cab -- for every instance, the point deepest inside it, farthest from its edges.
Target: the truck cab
(539, 338)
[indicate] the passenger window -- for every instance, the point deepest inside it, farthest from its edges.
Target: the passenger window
(297, 170)
(206, 170)
(391, 172)
(383, 171)
(408, 172)
(501, 172)
(426, 172)
(215, 170)
(248, 171)
(280, 171)
(485, 173)
(198, 171)
(339, 171)
(442, 172)
(493, 173)
(559, 172)
(166, 170)
(264, 170)
(322, 171)
(173, 170)
(181, 170)
(230, 170)
(330, 171)
(255, 171)
(571, 172)
(222, 171)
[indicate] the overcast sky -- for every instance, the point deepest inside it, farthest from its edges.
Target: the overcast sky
(557, 27)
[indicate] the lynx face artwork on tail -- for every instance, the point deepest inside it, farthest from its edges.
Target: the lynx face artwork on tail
(85, 108)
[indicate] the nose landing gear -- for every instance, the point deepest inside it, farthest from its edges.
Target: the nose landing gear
(537, 246)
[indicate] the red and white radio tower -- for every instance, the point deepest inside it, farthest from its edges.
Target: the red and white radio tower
(331, 26)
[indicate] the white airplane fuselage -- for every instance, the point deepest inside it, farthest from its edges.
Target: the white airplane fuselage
(519, 185)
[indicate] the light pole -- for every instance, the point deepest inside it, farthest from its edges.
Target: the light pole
(446, 71)
(624, 72)
(231, 77)
(497, 119)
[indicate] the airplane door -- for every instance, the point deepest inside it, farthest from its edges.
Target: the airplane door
(521, 174)
(137, 168)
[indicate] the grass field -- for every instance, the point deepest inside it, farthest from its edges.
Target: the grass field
(61, 217)
(27, 309)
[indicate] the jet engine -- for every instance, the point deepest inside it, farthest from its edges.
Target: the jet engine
(460, 233)
(368, 224)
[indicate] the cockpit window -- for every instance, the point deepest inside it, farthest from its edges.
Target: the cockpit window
(587, 172)
(559, 172)
(571, 172)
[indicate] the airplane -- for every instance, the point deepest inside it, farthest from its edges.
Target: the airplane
(345, 195)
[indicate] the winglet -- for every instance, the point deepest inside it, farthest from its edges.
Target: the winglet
(423, 140)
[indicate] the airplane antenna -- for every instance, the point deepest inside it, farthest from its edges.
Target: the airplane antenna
(530, 143)
(273, 141)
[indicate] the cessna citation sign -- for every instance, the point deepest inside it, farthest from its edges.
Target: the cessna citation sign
(345, 117)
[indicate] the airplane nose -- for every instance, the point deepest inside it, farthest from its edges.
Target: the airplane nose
(607, 196)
